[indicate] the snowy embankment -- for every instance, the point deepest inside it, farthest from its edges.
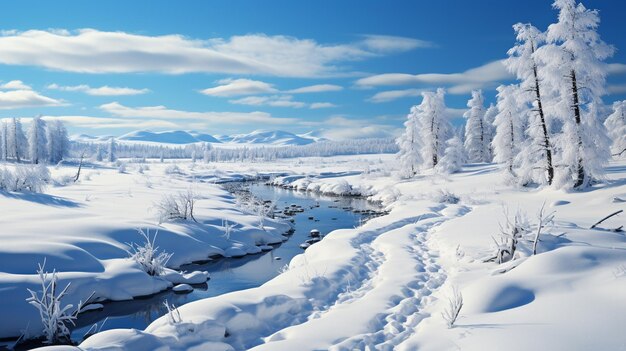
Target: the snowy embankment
(83, 231)
(384, 285)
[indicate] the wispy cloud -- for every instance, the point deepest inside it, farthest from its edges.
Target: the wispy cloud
(236, 87)
(341, 127)
(112, 122)
(209, 117)
(617, 68)
(100, 91)
(390, 95)
(318, 88)
(458, 83)
(386, 43)
(274, 101)
(95, 51)
(318, 105)
(279, 101)
(616, 88)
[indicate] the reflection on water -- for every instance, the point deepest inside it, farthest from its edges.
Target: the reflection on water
(232, 274)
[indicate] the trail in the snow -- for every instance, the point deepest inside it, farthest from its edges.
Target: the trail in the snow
(399, 321)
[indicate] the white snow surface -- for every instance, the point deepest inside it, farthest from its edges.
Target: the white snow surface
(384, 285)
(83, 231)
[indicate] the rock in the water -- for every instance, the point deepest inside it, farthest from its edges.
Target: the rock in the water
(183, 288)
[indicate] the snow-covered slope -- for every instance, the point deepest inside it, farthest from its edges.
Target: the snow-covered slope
(384, 285)
(275, 137)
(168, 137)
(258, 137)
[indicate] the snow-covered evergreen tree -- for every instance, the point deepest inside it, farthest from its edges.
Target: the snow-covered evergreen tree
(4, 142)
(37, 140)
(616, 127)
(17, 143)
(524, 65)
(434, 128)
(576, 72)
(408, 142)
(111, 152)
(475, 142)
(99, 153)
(58, 141)
(490, 131)
(453, 158)
(508, 137)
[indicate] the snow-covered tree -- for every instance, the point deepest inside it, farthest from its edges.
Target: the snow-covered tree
(475, 141)
(111, 153)
(508, 137)
(17, 143)
(576, 72)
(434, 128)
(58, 142)
(99, 153)
(524, 65)
(4, 142)
(37, 140)
(453, 158)
(490, 131)
(408, 142)
(616, 127)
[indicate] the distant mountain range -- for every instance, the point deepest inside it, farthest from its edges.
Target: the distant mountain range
(180, 137)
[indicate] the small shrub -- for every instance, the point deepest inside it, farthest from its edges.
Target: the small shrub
(173, 314)
(455, 304)
(148, 256)
(32, 178)
(55, 316)
(176, 207)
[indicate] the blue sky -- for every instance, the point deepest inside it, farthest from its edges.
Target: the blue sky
(227, 67)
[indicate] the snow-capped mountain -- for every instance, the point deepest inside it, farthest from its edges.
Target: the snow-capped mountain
(258, 137)
(275, 137)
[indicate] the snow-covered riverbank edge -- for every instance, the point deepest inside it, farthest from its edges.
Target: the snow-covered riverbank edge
(384, 285)
(83, 231)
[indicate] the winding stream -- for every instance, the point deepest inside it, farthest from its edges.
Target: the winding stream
(232, 274)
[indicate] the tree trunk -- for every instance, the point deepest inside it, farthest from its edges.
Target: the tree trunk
(512, 141)
(580, 176)
(544, 127)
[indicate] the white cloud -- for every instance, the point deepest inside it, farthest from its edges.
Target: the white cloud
(112, 122)
(162, 112)
(460, 83)
(279, 101)
(94, 51)
(617, 68)
(235, 87)
(341, 127)
(318, 105)
(101, 91)
(617, 88)
(15, 85)
(274, 101)
(386, 96)
(15, 99)
(387, 43)
(319, 88)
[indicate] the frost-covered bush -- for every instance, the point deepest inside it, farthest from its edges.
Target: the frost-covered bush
(455, 303)
(176, 207)
(122, 167)
(511, 234)
(173, 169)
(55, 316)
(148, 256)
(445, 197)
(32, 178)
